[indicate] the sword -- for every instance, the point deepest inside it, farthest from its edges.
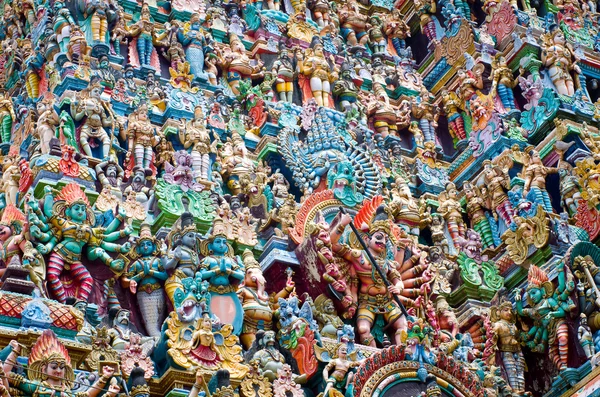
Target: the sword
(376, 266)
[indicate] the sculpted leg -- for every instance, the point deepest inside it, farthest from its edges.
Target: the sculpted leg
(55, 268)
(84, 279)
(363, 326)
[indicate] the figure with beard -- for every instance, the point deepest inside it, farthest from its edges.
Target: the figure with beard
(272, 357)
(121, 330)
(143, 193)
(373, 296)
(110, 174)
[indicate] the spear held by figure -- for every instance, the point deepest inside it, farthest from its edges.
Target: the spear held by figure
(376, 265)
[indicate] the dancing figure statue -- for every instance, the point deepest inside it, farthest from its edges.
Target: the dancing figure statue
(549, 308)
(373, 296)
(64, 227)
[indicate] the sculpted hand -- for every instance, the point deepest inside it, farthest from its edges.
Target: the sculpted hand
(518, 295)
(133, 286)
(345, 219)
(113, 390)
(42, 249)
(16, 347)
(108, 371)
(394, 289)
(125, 247)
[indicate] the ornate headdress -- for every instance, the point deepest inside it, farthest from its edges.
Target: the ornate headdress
(146, 235)
(249, 260)
(373, 217)
(183, 225)
(49, 349)
(70, 195)
(537, 278)
(13, 217)
(218, 230)
(495, 310)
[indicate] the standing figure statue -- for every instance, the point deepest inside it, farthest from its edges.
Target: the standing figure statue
(495, 185)
(47, 122)
(476, 214)
(426, 10)
(96, 115)
(584, 333)
(145, 277)
(143, 30)
(63, 21)
(374, 297)
(503, 82)
(182, 258)
(50, 372)
(224, 271)
(559, 58)
(451, 105)
(95, 13)
(317, 70)
(345, 90)
(193, 39)
(195, 138)
(506, 343)
(142, 137)
(256, 302)
(64, 227)
(283, 68)
(548, 308)
(353, 24)
(451, 209)
(535, 181)
(7, 116)
(426, 113)
(237, 65)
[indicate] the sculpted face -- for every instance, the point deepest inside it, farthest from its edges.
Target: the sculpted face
(146, 248)
(189, 239)
(5, 232)
(77, 212)
(81, 306)
(123, 317)
(377, 242)
(55, 370)
(256, 277)
(328, 306)
(536, 295)
(506, 313)
(219, 245)
(269, 338)
(111, 171)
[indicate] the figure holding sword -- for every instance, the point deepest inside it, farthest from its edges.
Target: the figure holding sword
(375, 283)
